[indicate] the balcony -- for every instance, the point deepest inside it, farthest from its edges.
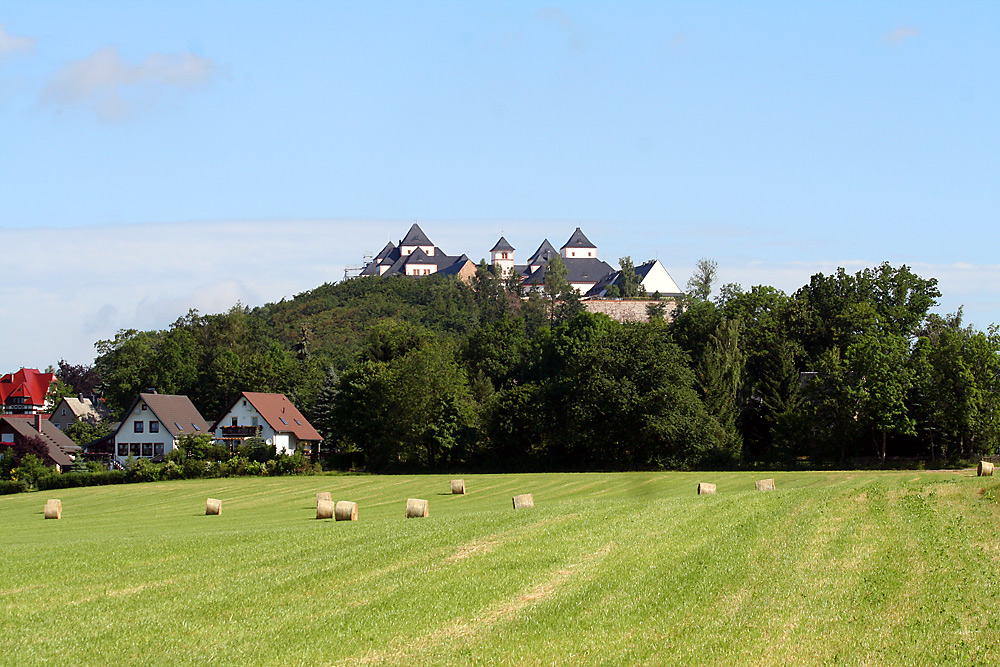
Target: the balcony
(239, 431)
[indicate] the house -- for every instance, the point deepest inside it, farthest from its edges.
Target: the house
(415, 255)
(583, 269)
(272, 417)
(153, 424)
(653, 278)
(72, 409)
(60, 451)
(23, 392)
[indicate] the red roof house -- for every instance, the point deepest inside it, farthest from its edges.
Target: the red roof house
(24, 392)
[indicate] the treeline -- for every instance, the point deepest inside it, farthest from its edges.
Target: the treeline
(434, 373)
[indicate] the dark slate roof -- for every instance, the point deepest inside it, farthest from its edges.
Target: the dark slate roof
(389, 247)
(502, 245)
(544, 253)
(415, 236)
(578, 240)
(580, 270)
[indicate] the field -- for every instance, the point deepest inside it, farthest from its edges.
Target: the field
(608, 569)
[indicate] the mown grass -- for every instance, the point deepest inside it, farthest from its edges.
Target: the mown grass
(844, 568)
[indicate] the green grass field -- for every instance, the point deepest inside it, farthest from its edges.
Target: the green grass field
(618, 569)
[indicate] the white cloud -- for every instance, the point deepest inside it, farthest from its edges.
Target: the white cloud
(113, 88)
(899, 35)
(13, 44)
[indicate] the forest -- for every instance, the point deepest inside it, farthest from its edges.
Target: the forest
(434, 373)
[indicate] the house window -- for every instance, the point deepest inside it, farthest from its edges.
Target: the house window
(157, 450)
(235, 421)
(154, 427)
(137, 427)
(147, 449)
(505, 256)
(123, 449)
(145, 407)
(64, 412)
(254, 422)
(133, 448)
(6, 437)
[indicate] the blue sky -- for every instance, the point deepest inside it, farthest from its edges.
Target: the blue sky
(156, 156)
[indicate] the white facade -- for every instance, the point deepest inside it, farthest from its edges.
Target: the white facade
(504, 260)
(579, 253)
(405, 250)
(141, 435)
(658, 280)
(414, 269)
(244, 414)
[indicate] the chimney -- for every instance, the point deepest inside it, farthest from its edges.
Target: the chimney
(151, 390)
(80, 397)
(38, 422)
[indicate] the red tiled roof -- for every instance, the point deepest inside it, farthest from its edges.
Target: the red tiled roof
(27, 383)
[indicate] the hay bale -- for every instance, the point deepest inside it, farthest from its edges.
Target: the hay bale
(416, 508)
(985, 469)
(458, 486)
(346, 511)
(765, 485)
(213, 507)
(324, 509)
(53, 509)
(705, 488)
(525, 501)
(323, 495)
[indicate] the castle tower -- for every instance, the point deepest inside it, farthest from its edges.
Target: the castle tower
(503, 257)
(579, 247)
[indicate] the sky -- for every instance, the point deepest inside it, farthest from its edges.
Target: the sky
(161, 156)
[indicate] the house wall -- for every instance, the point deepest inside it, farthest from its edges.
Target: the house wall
(63, 417)
(244, 411)
(658, 280)
(578, 253)
(407, 249)
(420, 269)
(126, 435)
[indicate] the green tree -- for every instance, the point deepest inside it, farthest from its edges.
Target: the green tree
(631, 284)
(561, 297)
(699, 285)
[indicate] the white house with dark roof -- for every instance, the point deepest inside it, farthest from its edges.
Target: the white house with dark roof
(153, 425)
(415, 255)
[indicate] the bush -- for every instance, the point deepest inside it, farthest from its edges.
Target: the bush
(31, 470)
(144, 470)
(12, 486)
(170, 470)
(75, 479)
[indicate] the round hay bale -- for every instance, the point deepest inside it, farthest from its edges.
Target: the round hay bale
(458, 486)
(323, 495)
(705, 488)
(53, 509)
(985, 469)
(346, 511)
(416, 508)
(525, 501)
(213, 507)
(765, 485)
(324, 509)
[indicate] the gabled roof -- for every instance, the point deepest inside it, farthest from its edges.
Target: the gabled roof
(279, 413)
(60, 447)
(544, 253)
(415, 236)
(389, 247)
(502, 246)
(27, 383)
(578, 240)
(418, 256)
(177, 414)
(84, 408)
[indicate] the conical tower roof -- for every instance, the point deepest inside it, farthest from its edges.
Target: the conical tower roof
(502, 246)
(578, 240)
(415, 236)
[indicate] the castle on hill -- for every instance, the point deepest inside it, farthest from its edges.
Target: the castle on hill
(416, 255)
